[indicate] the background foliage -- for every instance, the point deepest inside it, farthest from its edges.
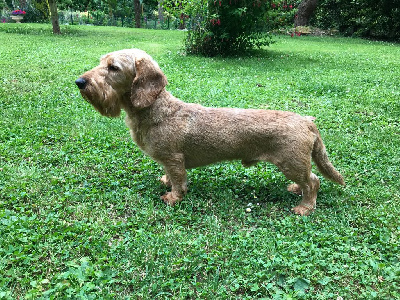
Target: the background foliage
(216, 26)
(366, 18)
(80, 213)
(282, 14)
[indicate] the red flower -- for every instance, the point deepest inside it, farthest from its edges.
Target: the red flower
(18, 12)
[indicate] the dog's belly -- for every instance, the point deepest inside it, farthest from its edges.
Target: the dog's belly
(191, 163)
(197, 154)
(194, 162)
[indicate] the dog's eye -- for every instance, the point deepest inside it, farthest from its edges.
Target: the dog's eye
(113, 68)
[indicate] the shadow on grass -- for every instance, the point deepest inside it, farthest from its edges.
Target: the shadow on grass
(225, 188)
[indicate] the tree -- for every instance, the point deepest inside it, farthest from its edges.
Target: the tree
(305, 11)
(137, 13)
(54, 16)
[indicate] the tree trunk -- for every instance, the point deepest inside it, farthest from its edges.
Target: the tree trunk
(137, 13)
(304, 12)
(160, 11)
(54, 16)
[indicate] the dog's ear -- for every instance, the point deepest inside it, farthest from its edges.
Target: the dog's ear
(148, 82)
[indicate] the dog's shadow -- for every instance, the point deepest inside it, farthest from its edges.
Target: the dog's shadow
(226, 186)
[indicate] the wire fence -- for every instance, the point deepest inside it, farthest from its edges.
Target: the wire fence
(150, 21)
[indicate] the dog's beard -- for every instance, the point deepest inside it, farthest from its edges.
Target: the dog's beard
(104, 99)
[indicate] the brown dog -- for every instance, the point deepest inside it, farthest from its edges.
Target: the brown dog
(180, 135)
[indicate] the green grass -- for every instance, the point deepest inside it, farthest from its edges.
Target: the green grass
(80, 214)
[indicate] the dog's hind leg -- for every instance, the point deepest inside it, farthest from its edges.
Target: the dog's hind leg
(176, 176)
(306, 183)
(165, 180)
(295, 189)
(309, 192)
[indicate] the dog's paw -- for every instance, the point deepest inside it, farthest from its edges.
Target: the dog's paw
(302, 210)
(295, 189)
(164, 180)
(170, 199)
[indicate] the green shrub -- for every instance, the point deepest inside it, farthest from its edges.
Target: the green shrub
(226, 27)
(364, 18)
(37, 12)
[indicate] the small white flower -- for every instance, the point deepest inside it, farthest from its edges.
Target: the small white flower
(248, 209)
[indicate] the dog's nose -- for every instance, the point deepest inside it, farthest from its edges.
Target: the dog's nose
(81, 83)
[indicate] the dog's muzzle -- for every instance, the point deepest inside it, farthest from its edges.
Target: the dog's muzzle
(81, 83)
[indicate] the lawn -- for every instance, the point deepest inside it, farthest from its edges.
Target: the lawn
(80, 209)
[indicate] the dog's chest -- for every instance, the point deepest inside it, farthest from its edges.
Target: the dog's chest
(135, 132)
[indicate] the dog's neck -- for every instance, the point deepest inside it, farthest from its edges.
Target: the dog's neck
(157, 105)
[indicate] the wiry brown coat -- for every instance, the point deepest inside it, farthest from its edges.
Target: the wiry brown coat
(181, 135)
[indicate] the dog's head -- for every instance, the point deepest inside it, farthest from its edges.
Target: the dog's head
(123, 79)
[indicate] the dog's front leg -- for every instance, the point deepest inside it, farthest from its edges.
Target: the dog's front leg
(176, 177)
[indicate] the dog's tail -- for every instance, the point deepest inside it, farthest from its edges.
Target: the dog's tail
(320, 157)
